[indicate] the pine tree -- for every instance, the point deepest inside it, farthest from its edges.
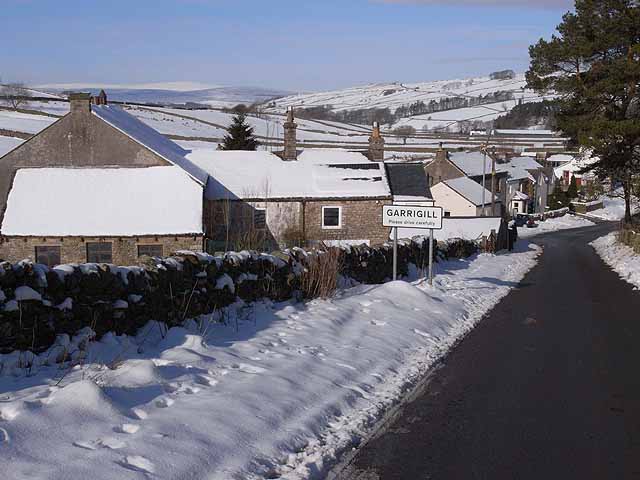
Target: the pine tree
(240, 135)
(572, 191)
(593, 64)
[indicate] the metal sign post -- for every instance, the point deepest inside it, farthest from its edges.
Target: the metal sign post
(409, 216)
(431, 257)
(395, 254)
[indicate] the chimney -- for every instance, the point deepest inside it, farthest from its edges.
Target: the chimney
(290, 146)
(80, 103)
(376, 144)
(101, 99)
(441, 154)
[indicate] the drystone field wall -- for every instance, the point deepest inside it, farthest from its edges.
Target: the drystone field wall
(37, 304)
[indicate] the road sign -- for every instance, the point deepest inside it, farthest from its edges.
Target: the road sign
(399, 216)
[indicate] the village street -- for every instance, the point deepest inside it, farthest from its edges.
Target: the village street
(544, 387)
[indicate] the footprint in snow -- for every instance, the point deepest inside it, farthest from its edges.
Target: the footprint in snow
(206, 380)
(378, 323)
(366, 303)
(365, 311)
(9, 413)
(129, 428)
(4, 436)
(112, 443)
(346, 366)
(139, 414)
(139, 464)
(164, 402)
(191, 390)
(86, 445)
(245, 368)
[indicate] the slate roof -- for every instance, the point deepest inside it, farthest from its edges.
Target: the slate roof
(471, 163)
(408, 180)
(149, 138)
(469, 189)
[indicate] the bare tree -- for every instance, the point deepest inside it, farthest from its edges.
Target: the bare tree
(14, 95)
(405, 131)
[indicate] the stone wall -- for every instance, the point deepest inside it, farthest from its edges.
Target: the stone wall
(74, 249)
(361, 220)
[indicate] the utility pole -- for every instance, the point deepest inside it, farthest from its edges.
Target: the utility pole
(484, 181)
(493, 184)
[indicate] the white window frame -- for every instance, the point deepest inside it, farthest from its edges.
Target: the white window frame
(332, 227)
(262, 209)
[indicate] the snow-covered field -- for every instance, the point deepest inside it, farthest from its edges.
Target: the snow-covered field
(277, 392)
(613, 209)
(23, 122)
(8, 143)
(554, 224)
(621, 258)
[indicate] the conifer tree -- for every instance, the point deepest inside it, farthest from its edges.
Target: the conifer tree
(593, 64)
(572, 191)
(240, 135)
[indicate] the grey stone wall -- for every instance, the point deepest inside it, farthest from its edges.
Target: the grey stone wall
(74, 249)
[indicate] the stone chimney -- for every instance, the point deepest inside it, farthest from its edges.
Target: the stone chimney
(290, 143)
(80, 103)
(376, 144)
(441, 154)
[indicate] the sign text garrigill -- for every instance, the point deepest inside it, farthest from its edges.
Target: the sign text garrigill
(395, 212)
(409, 216)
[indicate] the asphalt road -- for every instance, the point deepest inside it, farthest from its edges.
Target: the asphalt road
(546, 387)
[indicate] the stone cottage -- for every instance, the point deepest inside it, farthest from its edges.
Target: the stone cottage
(98, 185)
(257, 200)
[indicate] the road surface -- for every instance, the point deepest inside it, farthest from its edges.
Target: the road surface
(546, 387)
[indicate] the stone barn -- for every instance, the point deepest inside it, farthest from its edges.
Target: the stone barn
(98, 186)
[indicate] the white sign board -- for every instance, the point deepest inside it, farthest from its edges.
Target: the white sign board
(412, 217)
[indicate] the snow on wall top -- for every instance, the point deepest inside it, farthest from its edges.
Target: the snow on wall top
(258, 175)
(150, 138)
(103, 202)
(469, 189)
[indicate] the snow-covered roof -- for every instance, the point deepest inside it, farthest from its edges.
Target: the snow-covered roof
(330, 156)
(514, 132)
(515, 173)
(560, 158)
(527, 163)
(574, 166)
(465, 228)
(148, 137)
(518, 195)
(260, 175)
(469, 189)
(472, 163)
(103, 202)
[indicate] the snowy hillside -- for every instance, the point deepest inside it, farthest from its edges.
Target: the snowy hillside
(447, 101)
(175, 93)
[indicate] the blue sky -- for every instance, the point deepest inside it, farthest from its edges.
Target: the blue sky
(295, 45)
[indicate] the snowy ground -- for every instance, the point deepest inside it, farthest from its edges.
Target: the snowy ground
(613, 209)
(619, 257)
(278, 392)
(554, 224)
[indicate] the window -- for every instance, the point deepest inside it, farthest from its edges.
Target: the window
(48, 255)
(99, 252)
(447, 214)
(332, 217)
(260, 218)
(150, 250)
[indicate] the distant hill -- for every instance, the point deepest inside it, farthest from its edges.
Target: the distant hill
(439, 105)
(175, 93)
